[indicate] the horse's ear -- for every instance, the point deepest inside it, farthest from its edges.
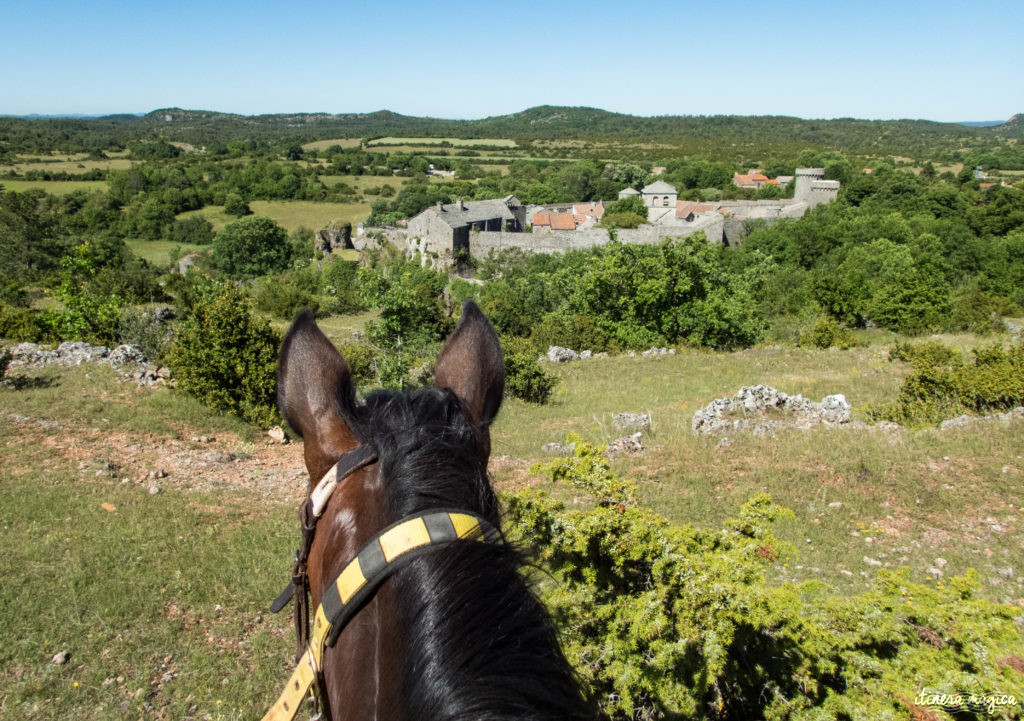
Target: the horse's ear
(471, 365)
(314, 388)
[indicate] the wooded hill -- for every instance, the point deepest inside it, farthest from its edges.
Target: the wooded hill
(203, 128)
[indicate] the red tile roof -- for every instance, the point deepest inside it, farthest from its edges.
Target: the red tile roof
(542, 218)
(591, 210)
(562, 221)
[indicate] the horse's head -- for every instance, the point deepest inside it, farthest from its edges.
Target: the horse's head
(432, 448)
(316, 394)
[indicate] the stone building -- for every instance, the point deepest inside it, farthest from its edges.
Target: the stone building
(813, 189)
(660, 194)
(444, 229)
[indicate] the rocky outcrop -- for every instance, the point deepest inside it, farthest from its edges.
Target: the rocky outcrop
(762, 410)
(128, 359)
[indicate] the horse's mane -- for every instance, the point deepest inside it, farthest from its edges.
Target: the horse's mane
(476, 642)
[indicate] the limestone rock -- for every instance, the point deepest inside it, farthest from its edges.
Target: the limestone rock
(557, 354)
(631, 421)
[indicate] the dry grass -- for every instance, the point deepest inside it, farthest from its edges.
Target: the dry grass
(324, 144)
(291, 214)
(54, 187)
(455, 142)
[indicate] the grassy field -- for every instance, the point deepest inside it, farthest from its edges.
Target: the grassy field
(291, 214)
(324, 144)
(455, 142)
(54, 187)
(158, 252)
(66, 165)
(160, 597)
(906, 497)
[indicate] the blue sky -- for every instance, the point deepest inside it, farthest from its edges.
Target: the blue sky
(937, 60)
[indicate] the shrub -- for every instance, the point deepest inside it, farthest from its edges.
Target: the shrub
(251, 246)
(19, 324)
(943, 385)
(360, 361)
(826, 333)
(195, 230)
(665, 621)
(140, 327)
(524, 378)
(576, 331)
(5, 360)
(283, 300)
(227, 358)
(979, 312)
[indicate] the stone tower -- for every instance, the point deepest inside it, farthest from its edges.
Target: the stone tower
(804, 178)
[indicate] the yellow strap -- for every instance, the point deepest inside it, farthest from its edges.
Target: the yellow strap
(288, 703)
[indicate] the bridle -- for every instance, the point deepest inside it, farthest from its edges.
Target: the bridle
(388, 550)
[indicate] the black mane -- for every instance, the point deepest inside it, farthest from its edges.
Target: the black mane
(477, 644)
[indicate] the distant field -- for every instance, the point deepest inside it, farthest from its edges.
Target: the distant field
(55, 187)
(362, 182)
(69, 165)
(456, 142)
(291, 214)
(158, 252)
(324, 144)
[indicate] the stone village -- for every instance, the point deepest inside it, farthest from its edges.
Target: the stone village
(448, 231)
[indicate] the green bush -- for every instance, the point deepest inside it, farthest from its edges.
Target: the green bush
(19, 324)
(5, 360)
(227, 358)
(665, 621)
(826, 333)
(979, 312)
(283, 299)
(251, 246)
(524, 378)
(195, 230)
(140, 327)
(943, 385)
(360, 361)
(571, 330)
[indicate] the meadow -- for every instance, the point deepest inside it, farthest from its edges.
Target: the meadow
(291, 214)
(455, 142)
(157, 588)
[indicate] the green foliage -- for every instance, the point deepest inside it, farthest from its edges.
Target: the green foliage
(195, 230)
(251, 246)
(19, 324)
(979, 312)
(679, 622)
(227, 358)
(679, 290)
(630, 204)
(234, 204)
(411, 308)
(5, 360)
(943, 385)
(524, 378)
(576, 331)
(360, 361)
(88, 311)
(282, 298)
(141, 327)
(622, 220)
(826, 333)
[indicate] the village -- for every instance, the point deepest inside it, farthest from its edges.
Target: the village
(445, 232)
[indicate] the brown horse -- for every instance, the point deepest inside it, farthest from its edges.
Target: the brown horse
(456, 633)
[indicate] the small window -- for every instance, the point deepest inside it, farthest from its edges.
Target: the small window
(665, 202)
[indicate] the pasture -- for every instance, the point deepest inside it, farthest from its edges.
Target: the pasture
(160, 596)
(291, 214)
(54, 187)
(158, 252)
(454, 142)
